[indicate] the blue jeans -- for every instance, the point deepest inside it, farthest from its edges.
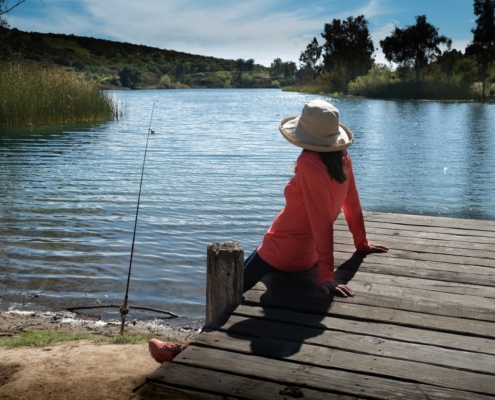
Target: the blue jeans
(255, 268)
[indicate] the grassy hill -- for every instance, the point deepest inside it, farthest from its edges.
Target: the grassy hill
(113, 64)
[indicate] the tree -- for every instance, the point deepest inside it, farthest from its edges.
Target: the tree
(348, 47)
(290, 69)
(483, 43)
(249, 65)
(415, 45)
(309, 58)
(130, 77)
(7, 42)
(276, 67)
(5, 8)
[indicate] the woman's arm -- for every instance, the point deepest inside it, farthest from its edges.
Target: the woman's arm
(354, 213)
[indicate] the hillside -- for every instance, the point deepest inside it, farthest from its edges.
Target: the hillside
(115, 64)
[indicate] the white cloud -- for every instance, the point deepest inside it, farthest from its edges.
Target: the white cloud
(243, 29)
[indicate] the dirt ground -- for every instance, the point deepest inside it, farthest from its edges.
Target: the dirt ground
(77, 369)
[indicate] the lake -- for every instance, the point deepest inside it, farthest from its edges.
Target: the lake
(215, 171)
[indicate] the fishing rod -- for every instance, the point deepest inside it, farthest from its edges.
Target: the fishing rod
(124, 310)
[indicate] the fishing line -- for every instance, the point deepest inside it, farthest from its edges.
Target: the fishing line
(124, 310)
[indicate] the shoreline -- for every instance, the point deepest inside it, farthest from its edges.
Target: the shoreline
(78, 369)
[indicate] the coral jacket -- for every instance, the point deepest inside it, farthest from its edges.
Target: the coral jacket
(302, 233)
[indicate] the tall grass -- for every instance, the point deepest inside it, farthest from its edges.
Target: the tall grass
(428, 90)
(33, 95)
(382, 83)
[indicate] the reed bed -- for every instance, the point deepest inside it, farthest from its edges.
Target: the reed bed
(34, 95)
(428, 90)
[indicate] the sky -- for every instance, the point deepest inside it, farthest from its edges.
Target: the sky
(232, 29)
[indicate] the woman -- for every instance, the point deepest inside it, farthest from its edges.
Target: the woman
(302, 233)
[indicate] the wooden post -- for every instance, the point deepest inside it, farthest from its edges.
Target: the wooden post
(224, 278)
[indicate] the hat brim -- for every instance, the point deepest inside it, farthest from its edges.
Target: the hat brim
(294, 134)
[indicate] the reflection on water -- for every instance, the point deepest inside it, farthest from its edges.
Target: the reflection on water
(215, 171)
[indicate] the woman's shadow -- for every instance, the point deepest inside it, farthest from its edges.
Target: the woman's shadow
(289, 312)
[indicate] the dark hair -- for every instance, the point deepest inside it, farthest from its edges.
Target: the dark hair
(334, 161)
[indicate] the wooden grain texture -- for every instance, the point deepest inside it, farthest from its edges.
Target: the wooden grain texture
(365, 312)
(324, 337)
(226, 384)
(317, 378)
(387, 296)
(224, 278)
(381, 329)
(451, 247)
(438, 255)
(160, 391)
(421, 325)
(346, 354)
(428, 222)
(474, 291)
(483, 276)
(405, 232)
(397, 229)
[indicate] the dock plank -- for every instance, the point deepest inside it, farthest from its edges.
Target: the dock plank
(328, 352)
(225, 384)
(481, 276)
(366, 312)
(355, 343)
(419, 335)
(419, 327)
(384, 296)
(296, 374)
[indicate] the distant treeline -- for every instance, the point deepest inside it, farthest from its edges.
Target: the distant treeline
(422, 63)
(115, 64)
(425, 66)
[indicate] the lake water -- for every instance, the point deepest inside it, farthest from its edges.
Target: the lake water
(215, 171)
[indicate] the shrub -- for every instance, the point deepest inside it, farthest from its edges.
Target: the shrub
(166, 81)
(130, 77)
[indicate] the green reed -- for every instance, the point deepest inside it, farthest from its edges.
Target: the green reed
(34, 95)
(427, 90)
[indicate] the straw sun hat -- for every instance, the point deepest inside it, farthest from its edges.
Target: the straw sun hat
(318, 128)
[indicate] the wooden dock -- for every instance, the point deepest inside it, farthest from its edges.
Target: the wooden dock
(421, 325)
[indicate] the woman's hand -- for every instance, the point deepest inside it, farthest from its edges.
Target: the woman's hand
(375, 248)
(337, 288)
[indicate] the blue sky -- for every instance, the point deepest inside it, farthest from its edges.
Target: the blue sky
(259, 29)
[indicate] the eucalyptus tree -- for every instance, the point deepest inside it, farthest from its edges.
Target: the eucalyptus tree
(348, 48)
(483, 44)
(414, 46)
(309, 58)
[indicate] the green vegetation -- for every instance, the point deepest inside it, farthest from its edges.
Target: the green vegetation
(425, 67)
(112, 65)
(421, 71)
(482, 47)
(34, 95)
(383, 83)
(45, 338)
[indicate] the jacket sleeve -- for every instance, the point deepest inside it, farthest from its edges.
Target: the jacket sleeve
(354, 214)
(317, 197)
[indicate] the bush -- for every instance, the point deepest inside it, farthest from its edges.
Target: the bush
(374, 83)
(166, 81)
(130, 77)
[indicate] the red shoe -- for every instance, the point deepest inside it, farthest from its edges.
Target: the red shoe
(164, 351)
